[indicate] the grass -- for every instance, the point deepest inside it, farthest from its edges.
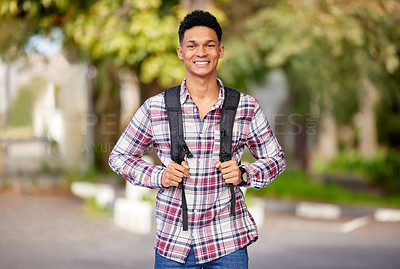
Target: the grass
(296, 185)
(94, 209)
(91, 175)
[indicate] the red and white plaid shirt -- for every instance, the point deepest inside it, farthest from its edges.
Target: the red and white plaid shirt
(213, 232)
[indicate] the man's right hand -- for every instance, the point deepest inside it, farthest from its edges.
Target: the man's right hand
(174, 174)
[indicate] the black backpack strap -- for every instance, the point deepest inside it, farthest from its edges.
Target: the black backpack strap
(229, 107)
(178, 146)
(173, 106)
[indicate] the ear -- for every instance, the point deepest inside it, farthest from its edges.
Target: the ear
(221, 50)
(179, 52)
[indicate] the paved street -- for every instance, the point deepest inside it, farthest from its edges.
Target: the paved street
(56, 232)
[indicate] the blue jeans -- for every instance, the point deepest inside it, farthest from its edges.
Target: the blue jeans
(236, 260)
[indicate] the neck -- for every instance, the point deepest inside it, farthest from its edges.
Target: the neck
(201, 88)
(204, 93)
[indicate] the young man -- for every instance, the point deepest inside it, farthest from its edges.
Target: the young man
(215, 238)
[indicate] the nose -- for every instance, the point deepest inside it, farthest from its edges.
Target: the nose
(201, 51)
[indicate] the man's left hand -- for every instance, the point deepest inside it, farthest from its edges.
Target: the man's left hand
(230, 172)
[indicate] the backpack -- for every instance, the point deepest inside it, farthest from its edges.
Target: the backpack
(179, 147)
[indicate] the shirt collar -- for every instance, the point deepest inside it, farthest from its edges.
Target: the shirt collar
(184, 95)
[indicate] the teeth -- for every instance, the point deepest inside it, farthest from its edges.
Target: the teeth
(201, 62)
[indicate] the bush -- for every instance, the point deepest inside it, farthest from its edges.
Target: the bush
(383, 170)
(294, 185)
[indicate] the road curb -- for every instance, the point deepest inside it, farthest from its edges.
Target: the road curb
(330, 211)
(387, 215)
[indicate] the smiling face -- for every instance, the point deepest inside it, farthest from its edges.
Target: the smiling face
(200, 50)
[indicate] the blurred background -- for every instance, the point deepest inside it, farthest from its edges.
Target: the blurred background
(326, 72)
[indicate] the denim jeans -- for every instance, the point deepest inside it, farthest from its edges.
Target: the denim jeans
(236, 260)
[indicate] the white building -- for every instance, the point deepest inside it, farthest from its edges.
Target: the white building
(60, 109)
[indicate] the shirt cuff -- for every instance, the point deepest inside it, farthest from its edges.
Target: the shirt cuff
(156, 176)
(247, 184)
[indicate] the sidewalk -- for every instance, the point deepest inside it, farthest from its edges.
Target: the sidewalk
(55, 232)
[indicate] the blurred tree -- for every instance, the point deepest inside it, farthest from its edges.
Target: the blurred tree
(243, 61)
(327, 49)
(110, 35)
(132, 35)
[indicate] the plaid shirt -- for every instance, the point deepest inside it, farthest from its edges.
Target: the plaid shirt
(213, 232)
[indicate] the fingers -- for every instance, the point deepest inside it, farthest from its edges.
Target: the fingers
(174, 174)
(225, 167)
(230, 171)
(186, 165)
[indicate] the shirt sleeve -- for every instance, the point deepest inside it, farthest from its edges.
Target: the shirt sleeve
(262, 143)
(125, 158)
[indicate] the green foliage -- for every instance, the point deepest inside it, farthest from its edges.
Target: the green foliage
(91, 175)
(139, 34)
(388, 110)
(70, 176)
(9, 47)
(135, 33)
(241, 67)
(93, 208)
(23, 19)
(296, 185)
(383, 169)
(21, 111)
(326, 49)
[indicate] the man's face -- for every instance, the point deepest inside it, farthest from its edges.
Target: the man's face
(200, 51)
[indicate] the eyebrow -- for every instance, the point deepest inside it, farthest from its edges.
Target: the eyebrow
(208, 41)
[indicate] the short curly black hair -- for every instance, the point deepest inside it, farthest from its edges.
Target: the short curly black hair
(199, 18)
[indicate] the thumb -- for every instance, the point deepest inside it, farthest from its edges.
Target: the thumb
(218, 164)
(185, 164)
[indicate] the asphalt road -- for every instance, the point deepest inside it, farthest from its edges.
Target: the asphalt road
(56, 232)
